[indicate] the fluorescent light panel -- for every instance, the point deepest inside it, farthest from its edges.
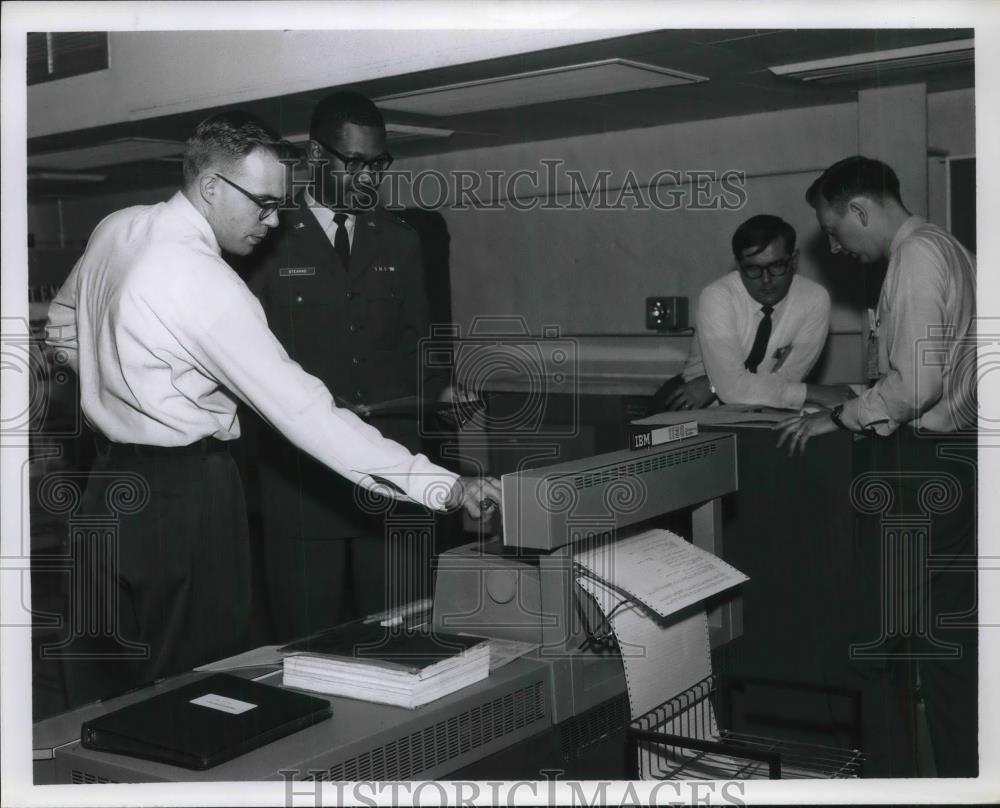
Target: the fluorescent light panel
(858, 65)
(69, 176)
(395, 133)
(115, 152)
(585, 80)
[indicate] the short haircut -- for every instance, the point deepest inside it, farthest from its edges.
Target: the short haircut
(851, 177)
(756, 234)
(226, 138)
(344, 107)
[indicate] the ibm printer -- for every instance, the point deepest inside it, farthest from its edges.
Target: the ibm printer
(561, 707)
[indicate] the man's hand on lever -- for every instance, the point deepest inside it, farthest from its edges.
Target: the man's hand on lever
(479, 496)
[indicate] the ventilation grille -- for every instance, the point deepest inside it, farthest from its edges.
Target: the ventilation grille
(645, 465)
(57, 56)
(404, 758)
(85, 777)
(593, 726)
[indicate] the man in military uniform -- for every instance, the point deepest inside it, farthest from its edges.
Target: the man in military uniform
(342, 284)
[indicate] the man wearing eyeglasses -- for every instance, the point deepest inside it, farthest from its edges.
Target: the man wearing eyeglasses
(342, 283)
(910, 619)
(760, 328)
(166, 338)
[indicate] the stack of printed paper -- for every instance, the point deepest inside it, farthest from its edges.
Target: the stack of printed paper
(387, 664)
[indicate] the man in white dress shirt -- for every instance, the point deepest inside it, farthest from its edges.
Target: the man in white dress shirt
(916, 584)
(930, 283)
(165, 338)
(760, 328)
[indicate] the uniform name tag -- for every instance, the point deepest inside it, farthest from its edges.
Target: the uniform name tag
(294, 272)
(384, 268)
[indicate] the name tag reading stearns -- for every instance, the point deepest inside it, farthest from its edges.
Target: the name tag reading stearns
(224, 704)
(294, 272)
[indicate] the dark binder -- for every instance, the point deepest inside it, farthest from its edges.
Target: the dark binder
(204, 723)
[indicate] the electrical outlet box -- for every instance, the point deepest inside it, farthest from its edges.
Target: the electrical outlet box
(666, 313)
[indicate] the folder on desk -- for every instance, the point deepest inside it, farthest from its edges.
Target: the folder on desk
(204, 723)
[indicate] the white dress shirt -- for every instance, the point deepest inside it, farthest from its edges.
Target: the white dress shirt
(727, 322)
(163, 334)
(324, 216)
(926, 345)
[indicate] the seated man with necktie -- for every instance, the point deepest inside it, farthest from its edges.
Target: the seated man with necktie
(760, 329)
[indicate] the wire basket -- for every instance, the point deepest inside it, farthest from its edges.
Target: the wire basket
(681, 739)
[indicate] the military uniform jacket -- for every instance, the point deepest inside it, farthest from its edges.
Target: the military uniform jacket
(357, 329)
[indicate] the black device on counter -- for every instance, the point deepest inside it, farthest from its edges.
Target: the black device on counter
(207, 722)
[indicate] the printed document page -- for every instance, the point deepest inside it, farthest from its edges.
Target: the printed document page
(726, 414)
(660, 569)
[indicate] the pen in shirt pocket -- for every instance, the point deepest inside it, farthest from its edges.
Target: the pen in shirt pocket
(779, 356)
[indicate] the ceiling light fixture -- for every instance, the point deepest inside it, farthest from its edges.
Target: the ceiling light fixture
(110, 153)
(860, 65)
(65, 176)
(395, 133)
(585, 80)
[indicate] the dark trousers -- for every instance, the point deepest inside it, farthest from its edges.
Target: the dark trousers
(314, 584)
(913, 616)
(163, 577)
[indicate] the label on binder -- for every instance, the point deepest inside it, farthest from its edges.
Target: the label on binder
(645, 437)
(224, 703)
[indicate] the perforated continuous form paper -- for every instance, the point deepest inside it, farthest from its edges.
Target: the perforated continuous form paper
(660, 569)
(642, 582)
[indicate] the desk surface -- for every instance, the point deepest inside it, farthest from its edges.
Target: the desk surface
(361, 741)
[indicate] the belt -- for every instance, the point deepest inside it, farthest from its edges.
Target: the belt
(205, 446)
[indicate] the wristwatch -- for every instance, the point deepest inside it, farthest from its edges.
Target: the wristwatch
(835, 416)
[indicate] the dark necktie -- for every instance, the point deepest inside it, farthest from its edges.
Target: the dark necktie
(341, 243)
(760, 341)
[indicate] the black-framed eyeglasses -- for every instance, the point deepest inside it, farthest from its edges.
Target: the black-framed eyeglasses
(775, 269)
(266, 207)
(378, 165)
